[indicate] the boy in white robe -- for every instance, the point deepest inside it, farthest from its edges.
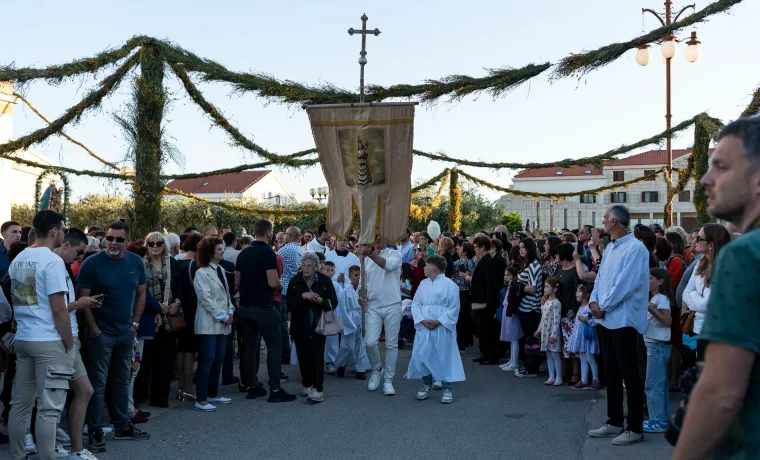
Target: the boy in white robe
(435, 309)
(332, 343)
(352, 349)
(343, 259)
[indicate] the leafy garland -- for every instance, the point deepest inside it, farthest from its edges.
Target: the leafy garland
(701, 147)
(431, 182)
(246, 210)
(423, 212)
(455, 201)
(66, 190)
(754, 106)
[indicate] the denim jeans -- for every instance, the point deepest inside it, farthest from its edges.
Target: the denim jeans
(658, 399)
(428, 380)
(211, 350)
(109, 352)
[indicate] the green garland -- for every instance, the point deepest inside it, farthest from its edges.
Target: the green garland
(66, 190)
(700, 153)
(92, 100)
(754, 106)
(455, 202)
(431, 182)
(583, 63)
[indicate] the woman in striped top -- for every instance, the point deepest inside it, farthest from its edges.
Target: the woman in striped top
(530, 305)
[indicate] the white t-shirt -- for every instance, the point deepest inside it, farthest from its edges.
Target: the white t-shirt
(70, 297)
(35, 274)
(655, 329)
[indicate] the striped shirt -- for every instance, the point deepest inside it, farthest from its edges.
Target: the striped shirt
(532, 276)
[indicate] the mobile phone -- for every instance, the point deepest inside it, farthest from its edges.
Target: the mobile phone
(123, 220)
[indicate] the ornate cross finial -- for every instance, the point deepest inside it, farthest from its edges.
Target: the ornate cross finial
(363, 52)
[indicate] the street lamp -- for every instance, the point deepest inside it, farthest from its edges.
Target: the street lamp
(319, 194)
(669, 49)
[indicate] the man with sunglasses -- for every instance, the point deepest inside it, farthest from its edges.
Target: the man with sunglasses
(110, 339)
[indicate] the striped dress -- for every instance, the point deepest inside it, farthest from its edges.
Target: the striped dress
(532, 276)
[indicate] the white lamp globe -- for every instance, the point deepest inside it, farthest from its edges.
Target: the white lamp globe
(669, 48)
(692, 51)
(643, 55)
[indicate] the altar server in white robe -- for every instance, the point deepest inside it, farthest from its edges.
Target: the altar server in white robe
(343, 259)
(352, 351)
(332, 343)
(435, 309)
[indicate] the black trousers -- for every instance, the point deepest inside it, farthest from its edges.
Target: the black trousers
(529, 322)
(253, 324)
(156, 366)
(620, 365)
(465, 325)
(488, 334)
(311, 361)
(229, 357)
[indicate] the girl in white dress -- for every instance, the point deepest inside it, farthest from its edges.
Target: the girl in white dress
(549, 331)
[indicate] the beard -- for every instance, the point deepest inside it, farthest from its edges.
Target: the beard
(112, 252)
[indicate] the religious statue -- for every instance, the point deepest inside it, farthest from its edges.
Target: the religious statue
(365, 178)
(52, 198)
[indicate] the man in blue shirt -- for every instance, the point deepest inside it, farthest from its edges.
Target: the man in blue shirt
(291, 257)
(406, 247)
(110, 339)
(11, 232)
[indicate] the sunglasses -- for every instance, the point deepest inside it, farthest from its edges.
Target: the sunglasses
(155, 244)
(699, 238)
(119, 239)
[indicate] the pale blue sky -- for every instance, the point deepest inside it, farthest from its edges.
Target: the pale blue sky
(307, 41)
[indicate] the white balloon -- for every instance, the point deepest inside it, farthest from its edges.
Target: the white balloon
(433, 229)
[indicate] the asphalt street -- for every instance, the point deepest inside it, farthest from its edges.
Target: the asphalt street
(494, 416)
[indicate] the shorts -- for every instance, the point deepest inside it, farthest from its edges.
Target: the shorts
(79, 369)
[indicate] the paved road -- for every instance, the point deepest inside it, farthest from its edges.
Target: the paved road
(495, 416)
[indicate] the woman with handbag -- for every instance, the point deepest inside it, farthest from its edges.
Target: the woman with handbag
(187, 344)
(158, 356)
(309, 295)
(213, 322)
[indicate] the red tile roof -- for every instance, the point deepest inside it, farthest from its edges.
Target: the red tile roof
(552, 172)
(223, 183)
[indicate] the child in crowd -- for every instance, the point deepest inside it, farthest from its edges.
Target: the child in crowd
(406, 281)
(657, 341)
(352, 351)
(549, 331)
(510, 323)
(584, 340)
(332, 343)
(567, 326)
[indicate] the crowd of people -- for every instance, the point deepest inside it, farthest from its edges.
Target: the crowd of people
(115, 319)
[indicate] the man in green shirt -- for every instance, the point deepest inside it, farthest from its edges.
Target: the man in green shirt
(723, 417)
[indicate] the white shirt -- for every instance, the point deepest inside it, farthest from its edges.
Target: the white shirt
(342, 264)
(231, 255)
(656, 331)
(384, 284)
(35, 274)
(70, 297)
(315, 246)
(696, 296)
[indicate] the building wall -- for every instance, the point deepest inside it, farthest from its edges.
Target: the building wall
(558, 184)
(267, 190)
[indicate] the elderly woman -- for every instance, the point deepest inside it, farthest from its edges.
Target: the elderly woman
(213, 322)
(309, 294)
(485, 283)
(159, 353)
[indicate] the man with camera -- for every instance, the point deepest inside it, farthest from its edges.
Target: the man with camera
(724, 419)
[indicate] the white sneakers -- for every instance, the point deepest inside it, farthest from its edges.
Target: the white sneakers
(374, 380)
(623, 438)
(388, 389)
(83, 454)
(330, 368)
(316, 396)
(423, 392)
(306, 391)
(62, 438)
(508, 367)
(61, 452)
(204, 408)
(29, 444)
(220, 400)
(447, 397)
(605, 430)
(437, 386)
(626, 438)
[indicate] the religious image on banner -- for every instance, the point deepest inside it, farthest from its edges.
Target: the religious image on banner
(366, 155)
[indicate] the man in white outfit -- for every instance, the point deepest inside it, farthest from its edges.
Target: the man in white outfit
(383, 305)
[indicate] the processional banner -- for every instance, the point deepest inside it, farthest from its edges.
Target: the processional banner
(366, 156)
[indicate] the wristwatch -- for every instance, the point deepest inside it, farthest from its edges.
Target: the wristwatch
(136, 324)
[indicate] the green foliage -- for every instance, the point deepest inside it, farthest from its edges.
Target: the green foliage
(512, 221)
(478, 213)
(701, 148)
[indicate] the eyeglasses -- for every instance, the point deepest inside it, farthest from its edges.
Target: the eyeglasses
(154, 244)
(699, 238)
(80, 252)
(119, 239)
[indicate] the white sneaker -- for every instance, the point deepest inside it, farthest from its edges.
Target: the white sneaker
(605, 430)
(61, 452)
(306, 391)
(423, 392)
(83, 454)
(29, 444)
(627, 438)
(62, 438)
(204, 408)
(316, 396)
(330, 368)
(108, 429)
(219, 400)
(509, 368)
(447, 397)
(437, 386)
(374, 380)
(388, 389)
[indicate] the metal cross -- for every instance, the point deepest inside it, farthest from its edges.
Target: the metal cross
(363, 52)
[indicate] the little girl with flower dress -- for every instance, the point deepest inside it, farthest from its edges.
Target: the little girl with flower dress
(584, 341)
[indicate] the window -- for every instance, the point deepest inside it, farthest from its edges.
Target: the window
(648, 172)
(649, 197)
(588, 171)
(559, 173)
(617, 197)
(587, 198)
(618, 176)
(684, 197)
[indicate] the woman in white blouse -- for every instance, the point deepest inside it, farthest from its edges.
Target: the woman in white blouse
(213, 322)
(710, 239)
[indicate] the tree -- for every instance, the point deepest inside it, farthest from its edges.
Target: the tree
(512, 221)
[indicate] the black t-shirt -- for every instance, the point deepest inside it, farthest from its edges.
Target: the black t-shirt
(253, 263)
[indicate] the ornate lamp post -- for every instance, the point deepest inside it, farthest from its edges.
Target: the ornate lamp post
(318, 194)
(669, 48)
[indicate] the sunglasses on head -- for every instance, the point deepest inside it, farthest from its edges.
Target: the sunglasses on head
(155, 244)
(119, 239)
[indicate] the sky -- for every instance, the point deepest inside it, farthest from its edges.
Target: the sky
(307, 41)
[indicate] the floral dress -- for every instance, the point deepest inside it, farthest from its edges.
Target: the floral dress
(584, 337)
(551, 312)
(567, 332)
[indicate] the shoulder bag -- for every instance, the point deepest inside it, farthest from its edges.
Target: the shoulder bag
(687, 322)
(329, 323)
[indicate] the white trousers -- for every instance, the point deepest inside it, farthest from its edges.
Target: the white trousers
(389, 317)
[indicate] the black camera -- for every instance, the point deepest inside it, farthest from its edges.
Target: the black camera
(675, 424)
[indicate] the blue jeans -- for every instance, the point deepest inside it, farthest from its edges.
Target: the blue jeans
(109, 352)
(428, 380)
(211, 350)
(656, 388)
(282, 307)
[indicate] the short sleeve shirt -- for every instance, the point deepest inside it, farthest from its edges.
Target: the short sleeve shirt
(733, 317)
(253, 263)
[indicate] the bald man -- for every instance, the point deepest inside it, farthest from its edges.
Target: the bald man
(279, 240)
(291, 254)
(501, 229)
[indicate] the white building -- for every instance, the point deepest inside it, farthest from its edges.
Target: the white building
(262, 185)
(645, 200)
(16, 181)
